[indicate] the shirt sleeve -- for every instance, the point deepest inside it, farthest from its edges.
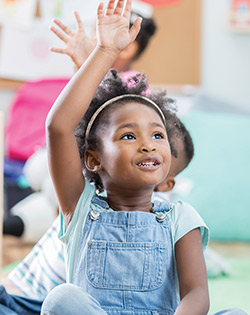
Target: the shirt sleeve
(71, 236)
(185, 219)
(80, 213)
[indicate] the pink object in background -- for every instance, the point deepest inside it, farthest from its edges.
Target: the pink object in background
(239, 18)
(25, 127)
(160, 3)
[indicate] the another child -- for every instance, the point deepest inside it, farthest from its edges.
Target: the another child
(78, 45)
(185, 151)
(123, 253)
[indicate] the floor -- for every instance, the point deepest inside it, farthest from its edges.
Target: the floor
(239, 250)
(14, 249)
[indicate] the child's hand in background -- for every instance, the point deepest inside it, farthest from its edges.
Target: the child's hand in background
(78, 44)
(113, 31)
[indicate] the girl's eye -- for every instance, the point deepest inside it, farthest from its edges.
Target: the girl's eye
(157, 136)
(128, 137)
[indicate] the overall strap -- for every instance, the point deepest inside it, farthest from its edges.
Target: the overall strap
(161, 210)
(99, 204)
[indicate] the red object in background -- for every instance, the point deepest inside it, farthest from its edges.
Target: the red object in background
(239, 18)
(160, 3)
(237, 3)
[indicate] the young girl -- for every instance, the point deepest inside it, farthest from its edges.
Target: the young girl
(123, 252)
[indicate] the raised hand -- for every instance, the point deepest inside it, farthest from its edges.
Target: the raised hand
(78, 44)
(113, 26)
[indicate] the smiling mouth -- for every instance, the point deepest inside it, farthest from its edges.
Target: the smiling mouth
(148, 164)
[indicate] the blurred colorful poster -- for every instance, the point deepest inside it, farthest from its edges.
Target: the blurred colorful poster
(25, 54)
(239, 18)
(63, 10)
(18, 11)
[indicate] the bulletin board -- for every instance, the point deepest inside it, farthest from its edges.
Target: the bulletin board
(173, 57)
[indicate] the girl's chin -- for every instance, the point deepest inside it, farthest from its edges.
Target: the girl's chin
(139, 183)
(150, 184)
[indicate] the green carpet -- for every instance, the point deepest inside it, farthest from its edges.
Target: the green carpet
(231, 291)
(8, 268)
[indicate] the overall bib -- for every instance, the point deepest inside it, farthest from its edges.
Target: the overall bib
(126, 260)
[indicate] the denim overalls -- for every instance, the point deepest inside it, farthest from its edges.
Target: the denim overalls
(126, 260)
(125, 266)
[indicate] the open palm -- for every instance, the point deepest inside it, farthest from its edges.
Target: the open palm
(113, 25)
(77, 44)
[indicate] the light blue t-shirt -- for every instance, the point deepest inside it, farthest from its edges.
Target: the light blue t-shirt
(72, 235)
(183, 217)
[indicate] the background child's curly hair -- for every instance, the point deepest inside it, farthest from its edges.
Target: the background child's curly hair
(110, 87)
(148, 29)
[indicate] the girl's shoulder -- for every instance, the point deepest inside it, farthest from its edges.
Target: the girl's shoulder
(185, 218)
(173, 208)
(182, 207)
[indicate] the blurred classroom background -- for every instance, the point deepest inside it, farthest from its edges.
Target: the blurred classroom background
(200, 54)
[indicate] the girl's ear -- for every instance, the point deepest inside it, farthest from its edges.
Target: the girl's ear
(92, 161)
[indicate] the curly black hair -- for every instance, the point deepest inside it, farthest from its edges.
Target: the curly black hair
(110, 87)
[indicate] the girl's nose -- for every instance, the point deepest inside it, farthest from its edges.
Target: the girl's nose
(148, 147)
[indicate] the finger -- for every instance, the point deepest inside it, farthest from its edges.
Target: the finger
(119, 7)
(62, 26)
(58, 50)
(79, 22)
(100, 13)
(58, 33)
(135, 29)
(110, 7)
(127, 9)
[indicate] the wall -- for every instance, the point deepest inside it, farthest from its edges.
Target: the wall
(6, 98)
(219, 172)
(173, 56)
(225, 62)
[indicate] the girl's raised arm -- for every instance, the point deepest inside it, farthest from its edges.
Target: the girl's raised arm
(113, 35)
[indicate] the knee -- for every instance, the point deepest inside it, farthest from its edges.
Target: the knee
(70, 299)
(59, 301)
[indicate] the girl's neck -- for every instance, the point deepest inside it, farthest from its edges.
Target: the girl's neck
(130, 201)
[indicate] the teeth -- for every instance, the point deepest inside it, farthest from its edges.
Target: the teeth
(147, 164)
